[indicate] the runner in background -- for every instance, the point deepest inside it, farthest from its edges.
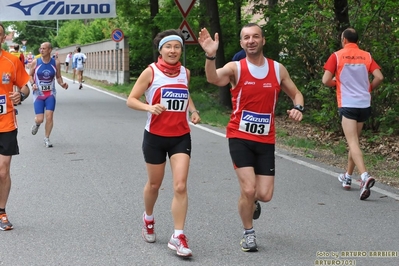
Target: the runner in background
(67, 60)
(44, 72)
(80, 59)
(73, 66)
(29, 58)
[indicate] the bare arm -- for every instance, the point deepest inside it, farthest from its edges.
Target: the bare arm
(377, 80)
(32, 70)
(58, 74)
(289, 87)
(328, 79)
(141, 85)
(221, 76)
(19, 95)
(32, 74)
(194, 113)
(26, 91)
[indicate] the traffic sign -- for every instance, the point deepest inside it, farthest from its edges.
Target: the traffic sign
(117, 35)
(189, 36)
(185, 6)
(24, 42)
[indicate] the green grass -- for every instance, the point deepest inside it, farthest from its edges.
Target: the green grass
(211, 111)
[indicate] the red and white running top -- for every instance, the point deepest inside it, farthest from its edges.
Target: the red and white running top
(254, 101)
(171, 92)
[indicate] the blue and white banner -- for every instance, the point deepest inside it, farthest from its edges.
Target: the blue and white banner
(18, 10)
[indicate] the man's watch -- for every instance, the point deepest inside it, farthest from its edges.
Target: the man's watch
(195, 111)
(299, 108)
(22, 96)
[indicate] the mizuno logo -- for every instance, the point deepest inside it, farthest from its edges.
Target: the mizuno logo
(256, 119)
(60, 8)
(171, 94)
(26, 8)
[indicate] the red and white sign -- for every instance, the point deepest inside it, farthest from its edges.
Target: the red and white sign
(185, 6)
(189, 36)
(24, 42)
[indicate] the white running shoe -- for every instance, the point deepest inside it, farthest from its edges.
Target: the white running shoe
(179, 244)
(147, 232)
(47, 143)
(35, 128)
(345, 181)
(365, 186)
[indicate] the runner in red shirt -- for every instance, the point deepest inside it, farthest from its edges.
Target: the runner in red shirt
(167, 133)
(256, 82)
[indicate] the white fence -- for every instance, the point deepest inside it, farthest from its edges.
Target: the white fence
(104, 62)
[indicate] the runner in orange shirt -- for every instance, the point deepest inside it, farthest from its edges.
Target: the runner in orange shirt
(12, 74)
(352, 67)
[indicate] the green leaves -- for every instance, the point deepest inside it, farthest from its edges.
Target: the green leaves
(308, 31)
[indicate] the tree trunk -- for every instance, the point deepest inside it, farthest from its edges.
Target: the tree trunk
(272, 39)
(342, 16)
(237, 7)
(154, 10)
(212, 10)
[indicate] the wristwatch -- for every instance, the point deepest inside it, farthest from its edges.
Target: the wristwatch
(299, 108)
(22, 96)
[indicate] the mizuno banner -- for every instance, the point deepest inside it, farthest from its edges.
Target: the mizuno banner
(17, 10)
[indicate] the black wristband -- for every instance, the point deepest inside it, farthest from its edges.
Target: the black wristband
(210, 57)
(22, 96)
(299, 107)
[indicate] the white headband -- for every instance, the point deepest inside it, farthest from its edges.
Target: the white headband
(170, 38)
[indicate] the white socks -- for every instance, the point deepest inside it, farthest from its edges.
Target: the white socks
(148, 217)
(177, 233)
(364, 176)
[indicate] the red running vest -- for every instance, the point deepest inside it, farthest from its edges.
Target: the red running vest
(254, 101)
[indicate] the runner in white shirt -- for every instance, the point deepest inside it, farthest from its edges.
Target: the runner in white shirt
(67, 60)
(79, 59)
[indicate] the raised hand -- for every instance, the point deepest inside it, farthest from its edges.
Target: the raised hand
(208, 45)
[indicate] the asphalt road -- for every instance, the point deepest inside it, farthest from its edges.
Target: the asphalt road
(80, 202)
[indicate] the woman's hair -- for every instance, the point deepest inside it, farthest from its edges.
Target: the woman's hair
(165, 33)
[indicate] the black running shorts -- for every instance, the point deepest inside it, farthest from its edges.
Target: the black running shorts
(9, 143)
(155, 148)
(247, 153)
(358, 114)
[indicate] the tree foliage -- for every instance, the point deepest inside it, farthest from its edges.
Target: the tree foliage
(34, 33)
(309, 31)
(84, 31)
